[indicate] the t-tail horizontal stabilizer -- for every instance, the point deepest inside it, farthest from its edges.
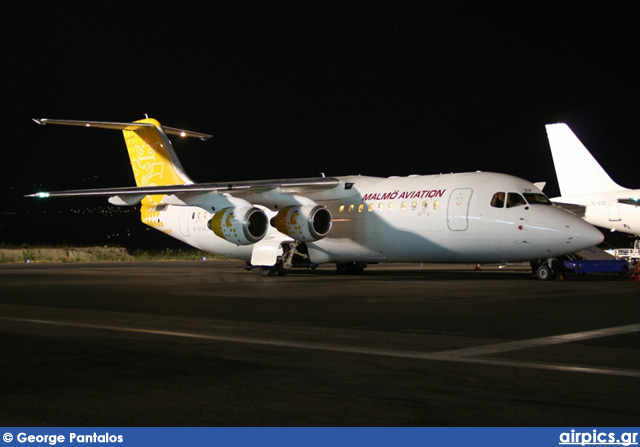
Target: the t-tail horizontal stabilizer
(122, 126)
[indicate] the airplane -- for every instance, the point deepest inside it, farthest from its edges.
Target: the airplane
(585, 187)
(275, 225)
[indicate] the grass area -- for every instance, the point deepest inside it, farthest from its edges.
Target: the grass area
(27, 253)
(187, 254)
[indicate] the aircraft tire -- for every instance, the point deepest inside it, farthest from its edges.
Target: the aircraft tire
(268, 270)
(273, 270)
(545, 273)
(350, 268)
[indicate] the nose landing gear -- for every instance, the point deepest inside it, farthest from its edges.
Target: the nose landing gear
(545, 272)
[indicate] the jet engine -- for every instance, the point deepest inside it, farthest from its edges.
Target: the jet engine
(242, 226)
(304, 222)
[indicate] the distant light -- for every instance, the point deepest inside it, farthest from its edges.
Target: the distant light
(204, 258)
(87, 125)
(42, 195)
(183, 134)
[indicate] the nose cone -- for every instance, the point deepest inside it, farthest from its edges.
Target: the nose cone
(568, 233)
(584, 235)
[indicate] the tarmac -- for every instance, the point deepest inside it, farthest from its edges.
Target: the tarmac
(210, 344)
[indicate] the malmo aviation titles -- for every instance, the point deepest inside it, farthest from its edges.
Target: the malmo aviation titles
(406, 195)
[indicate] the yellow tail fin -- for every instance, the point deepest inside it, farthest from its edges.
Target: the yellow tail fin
(153, 159)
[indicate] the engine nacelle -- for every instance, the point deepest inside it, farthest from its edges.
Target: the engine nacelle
(242, 226)
(304, 222)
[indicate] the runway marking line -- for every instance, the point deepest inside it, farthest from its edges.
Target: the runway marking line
(464, 355)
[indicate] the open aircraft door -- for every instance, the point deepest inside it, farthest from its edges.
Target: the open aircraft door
(458, 209)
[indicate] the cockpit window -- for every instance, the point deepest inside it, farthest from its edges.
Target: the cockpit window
(497, 201)
(537, 199)
(514, 199)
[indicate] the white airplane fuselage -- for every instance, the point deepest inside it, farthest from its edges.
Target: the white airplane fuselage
(467, 217)
(607, 211)
(434, 218)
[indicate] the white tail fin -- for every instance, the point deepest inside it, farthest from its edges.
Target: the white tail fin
(577, 171)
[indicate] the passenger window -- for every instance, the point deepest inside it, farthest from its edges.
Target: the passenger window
(341, 209)
(497, 201)
(403, 206)
(514, 199)
(361, 207)
(351, 208)
(414, 205)
(390, 206)
(370, 208)
(436, 204)
(380, 206)
(425, 205)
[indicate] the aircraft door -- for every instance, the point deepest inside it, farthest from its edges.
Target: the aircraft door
(458, 209)
(614, 211)
(185, 211)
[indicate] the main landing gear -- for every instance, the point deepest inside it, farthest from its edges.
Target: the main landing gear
(350, 268)
(296, 255)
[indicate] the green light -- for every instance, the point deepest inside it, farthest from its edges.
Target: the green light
(42, 195)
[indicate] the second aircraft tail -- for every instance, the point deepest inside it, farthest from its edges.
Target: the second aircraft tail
(577, 170)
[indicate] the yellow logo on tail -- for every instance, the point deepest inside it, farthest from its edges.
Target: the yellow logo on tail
(150, 158)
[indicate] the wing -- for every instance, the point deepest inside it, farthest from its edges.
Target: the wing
(630, 201)
(267, 192)
(578, 210)
(160, 175)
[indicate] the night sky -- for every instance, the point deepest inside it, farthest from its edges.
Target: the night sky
(292, 89)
